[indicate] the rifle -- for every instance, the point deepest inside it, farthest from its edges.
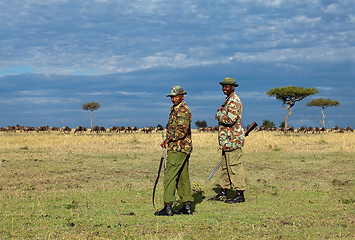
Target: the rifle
(163, 158)
(164, 151)
(251, 128)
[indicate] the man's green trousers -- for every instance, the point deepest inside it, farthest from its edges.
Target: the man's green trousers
(177, 178)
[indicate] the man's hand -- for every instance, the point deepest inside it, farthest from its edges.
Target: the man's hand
(165, 143)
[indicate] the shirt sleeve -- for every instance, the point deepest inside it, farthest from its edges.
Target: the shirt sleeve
(229, 114)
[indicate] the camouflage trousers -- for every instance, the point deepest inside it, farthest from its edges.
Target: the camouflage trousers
(232, 174)
(177, 178)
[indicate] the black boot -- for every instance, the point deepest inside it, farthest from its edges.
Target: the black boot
(239, 197)
(186, 209)
(221, 196)
(166, 211)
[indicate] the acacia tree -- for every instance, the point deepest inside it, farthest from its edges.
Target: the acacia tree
(323, 103)
(290, 95)
(92, 106)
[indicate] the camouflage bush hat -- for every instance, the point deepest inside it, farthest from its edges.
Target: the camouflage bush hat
(176, 90)
(229, 81)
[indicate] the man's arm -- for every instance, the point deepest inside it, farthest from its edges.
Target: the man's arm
(229, 117)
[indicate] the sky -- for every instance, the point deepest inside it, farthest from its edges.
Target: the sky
(56, 55)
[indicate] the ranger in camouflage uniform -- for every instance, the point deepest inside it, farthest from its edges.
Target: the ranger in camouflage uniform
(179, 145)
(231, 141)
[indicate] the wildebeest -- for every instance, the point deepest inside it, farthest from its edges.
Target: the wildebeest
(80, 129)
(66, 129)
(10, 129)
(128, 129)
(122, 128)
(201, 129)
(113, 129)
(159, 128)
(29, 129)
(147, 129)
(207, 129)
(20, 128)
(98, 129)
(349, 129)
(43, 129)
(54, 129)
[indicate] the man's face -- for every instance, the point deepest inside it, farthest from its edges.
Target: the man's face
(227, 89)
(177, 99)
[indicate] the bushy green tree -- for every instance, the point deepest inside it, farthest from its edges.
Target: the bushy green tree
(290, 95)
(202, 124)
(92, 106)
(267, 123)
(323, 103)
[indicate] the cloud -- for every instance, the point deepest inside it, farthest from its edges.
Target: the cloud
(120, 51)
(334, 8)
(296, 55)
(38, 100)
(33, 93)
(105, 93)
(97, 37)
(326, 88)
(255, 95)
(138, 94)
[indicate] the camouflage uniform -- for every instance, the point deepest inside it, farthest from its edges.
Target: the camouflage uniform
(179, 149)
(231, 140)
(178, 129)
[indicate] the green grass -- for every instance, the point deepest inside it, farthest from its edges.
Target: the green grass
(65, 186)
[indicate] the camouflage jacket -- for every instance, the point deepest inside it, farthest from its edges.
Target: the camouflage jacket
(178, 129)
(229, 117)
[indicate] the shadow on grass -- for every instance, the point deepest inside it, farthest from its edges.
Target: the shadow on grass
(198, 198)
(217, 188)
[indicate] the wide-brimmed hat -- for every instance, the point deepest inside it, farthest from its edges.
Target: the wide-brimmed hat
(229, 81)
(176, 90)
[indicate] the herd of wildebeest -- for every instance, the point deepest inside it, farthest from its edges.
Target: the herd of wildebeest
(116, 129)
(80, 129)
(290, 129)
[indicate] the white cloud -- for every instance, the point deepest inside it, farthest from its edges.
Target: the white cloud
(33, 93)
(39, 100)
(333, 8)
(257, 96)
(104, 93)
(126, 93)
(289, 55)
(104, 36)
(326, 88)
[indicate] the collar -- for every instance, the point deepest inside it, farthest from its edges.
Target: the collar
(227, 98)
(177, 106)
(233, 93)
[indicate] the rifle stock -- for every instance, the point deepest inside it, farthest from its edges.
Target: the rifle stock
(251, 128)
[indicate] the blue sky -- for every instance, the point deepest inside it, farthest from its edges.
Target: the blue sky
(56, 55)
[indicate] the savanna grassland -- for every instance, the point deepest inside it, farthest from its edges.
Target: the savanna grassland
(99, 186)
